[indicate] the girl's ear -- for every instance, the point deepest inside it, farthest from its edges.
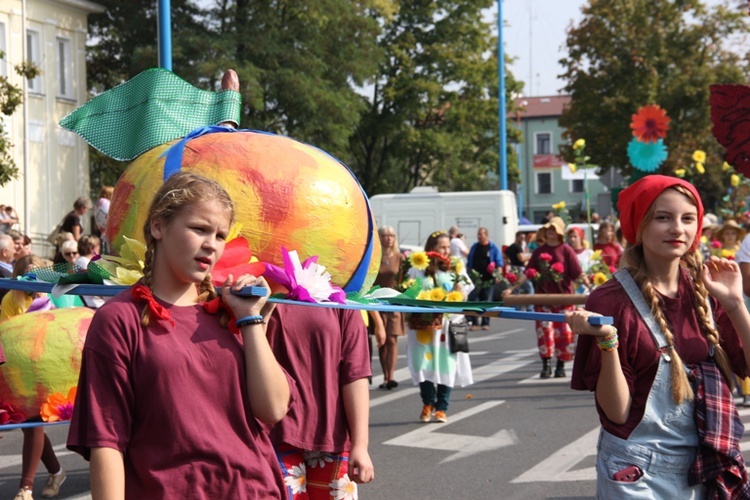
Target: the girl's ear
(157, 228)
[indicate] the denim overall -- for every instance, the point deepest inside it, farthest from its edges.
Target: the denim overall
(663, 444)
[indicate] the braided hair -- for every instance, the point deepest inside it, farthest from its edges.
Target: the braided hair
(692, 261)
(179, 191)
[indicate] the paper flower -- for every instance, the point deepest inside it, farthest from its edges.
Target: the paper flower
(647, 157)
(511, 277)
(597, 255)
(699, 156)
(8, 415)
(680, 172)
(423, 295)
(236, 260)
(725, 166)
(58, 407)
(454, 296)
(579, 144)
(126, 269)
(600, 279)
(419, 260)
(650, 123)
(573, 167)
(457, 264)
(307, 281)
(559, 206)
(531, 273)
(734, 180)
(438, 294)
(700, 168)
(545, 257)
(558, 267)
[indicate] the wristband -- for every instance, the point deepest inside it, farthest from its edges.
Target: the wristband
(609, 342)
(255, 319)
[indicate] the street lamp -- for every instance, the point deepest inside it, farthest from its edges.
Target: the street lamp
(501, 98)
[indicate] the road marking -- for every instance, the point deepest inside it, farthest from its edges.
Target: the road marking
(15, 460)
(484, 372)
(463, 445)
(558, 466)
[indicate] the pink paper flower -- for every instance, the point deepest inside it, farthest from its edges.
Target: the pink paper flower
(8, 415)
(512, 278)
(307, 281)
(545, 257)
(558, 267)
(491, 267)
(612, 269)
(715, 244)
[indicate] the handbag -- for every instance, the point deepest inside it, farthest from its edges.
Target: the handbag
(53, 235)
(458, 336)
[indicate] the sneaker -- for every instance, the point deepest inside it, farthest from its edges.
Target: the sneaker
(440, 416)
(426, 414)
(52, 489)
(23, 494)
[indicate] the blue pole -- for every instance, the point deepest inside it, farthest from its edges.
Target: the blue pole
(501, 98)
(165, 34)
(520, 185)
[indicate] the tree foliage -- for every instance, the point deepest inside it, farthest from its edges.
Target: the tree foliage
(628, 53)
(432, 115)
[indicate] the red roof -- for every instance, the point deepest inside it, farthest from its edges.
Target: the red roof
(539, 107)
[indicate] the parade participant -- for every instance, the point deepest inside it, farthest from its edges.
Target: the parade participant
(556, 266)
(606, 241)
(391, 326)
(170, 402)
(666, 434)
(323, 441)
(432, 365)
(484, 257)
(36, 445)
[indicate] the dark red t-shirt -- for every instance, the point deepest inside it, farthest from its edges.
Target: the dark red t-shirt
(611, 253)
(173, 400)
(322, 349)
(561, 253)
(639, 356)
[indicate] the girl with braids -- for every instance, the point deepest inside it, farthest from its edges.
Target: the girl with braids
(170, 402)
(662, 374)
(431, 362)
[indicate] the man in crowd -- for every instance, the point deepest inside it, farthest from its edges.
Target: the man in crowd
(458, 245)
(484, 257)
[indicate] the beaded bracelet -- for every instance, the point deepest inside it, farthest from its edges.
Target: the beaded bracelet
(255, 319)
(609, 342)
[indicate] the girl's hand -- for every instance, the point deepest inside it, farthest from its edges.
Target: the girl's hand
(245, 306)
(579, 323)
(723, 281)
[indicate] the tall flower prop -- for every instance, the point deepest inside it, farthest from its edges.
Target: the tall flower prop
(646, 150)
(647, 157)
(582, 162)
(306, 281)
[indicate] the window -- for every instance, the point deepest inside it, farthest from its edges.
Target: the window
(544, 183)
(576, 186)
(543, 143)
(4, 60)
(64, 68)
(33, 54)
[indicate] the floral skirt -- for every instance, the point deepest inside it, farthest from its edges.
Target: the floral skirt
(430, 358)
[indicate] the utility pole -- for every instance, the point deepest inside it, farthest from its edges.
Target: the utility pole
(501, 99)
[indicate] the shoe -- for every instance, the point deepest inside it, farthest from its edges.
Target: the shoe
(426, 414)
(384, 385)
(391, 384)
(485, 327)
(52, 489)
(440, 416)
(23, 494)
(746, 401)
(560, 369)
(546, 369)
(474, 328)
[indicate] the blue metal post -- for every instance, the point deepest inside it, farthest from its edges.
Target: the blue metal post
(520, 184)
(501, 98)
(164, 17)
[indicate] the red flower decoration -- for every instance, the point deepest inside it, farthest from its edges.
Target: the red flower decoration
(512, 278)
(612, 269)
(8, 415)
(558, 267)
(730, 115)
(545, 257)
(650, 123)
(236, 261)
(715, 244)
(491, 267)
(531, 273)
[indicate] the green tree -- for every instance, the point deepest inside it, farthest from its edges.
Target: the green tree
(299, 63)
(11, 96)
(628, 53)
(432, 115)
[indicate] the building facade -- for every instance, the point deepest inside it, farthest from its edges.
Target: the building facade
(546, 178)
(53, 163)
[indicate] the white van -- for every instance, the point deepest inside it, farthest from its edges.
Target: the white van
(416, 215)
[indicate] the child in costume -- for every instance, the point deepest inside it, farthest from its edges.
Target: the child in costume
(431, 363)
(170, 402)
(36, 445)
(662, 374)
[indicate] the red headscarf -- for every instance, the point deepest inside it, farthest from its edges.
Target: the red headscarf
(636, 199)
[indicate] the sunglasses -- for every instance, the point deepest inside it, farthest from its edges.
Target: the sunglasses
(70, 254)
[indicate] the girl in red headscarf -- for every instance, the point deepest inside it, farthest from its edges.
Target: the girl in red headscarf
(662, 374)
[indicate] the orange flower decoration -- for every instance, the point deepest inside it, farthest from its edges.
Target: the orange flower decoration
(650, 123)
(58, 407)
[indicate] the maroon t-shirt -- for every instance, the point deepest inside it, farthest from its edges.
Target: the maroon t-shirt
(322, 349)
(561, 253)
(611, 253)
(639, 356)
(173, 400)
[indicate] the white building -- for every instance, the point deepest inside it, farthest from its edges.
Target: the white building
(53, 163)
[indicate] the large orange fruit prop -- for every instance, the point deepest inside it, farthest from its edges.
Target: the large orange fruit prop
(286, 194)
(43, 352)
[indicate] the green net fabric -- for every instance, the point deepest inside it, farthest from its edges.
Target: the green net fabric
(152, 108)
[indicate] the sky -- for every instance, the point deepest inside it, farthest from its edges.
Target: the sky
(535, 35)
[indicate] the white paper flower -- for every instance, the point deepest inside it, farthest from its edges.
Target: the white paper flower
(343, 489)
(297, 480)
